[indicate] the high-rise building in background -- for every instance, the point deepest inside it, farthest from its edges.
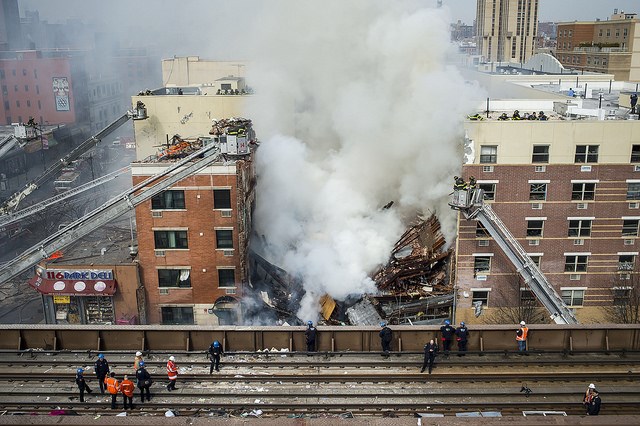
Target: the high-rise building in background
(506, 29)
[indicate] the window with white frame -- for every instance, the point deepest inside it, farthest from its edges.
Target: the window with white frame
(481, 231)
(480, 295)
(573, 296)
(174, 277)
(626, 261)
(576, 263)
(540, 154)
(537, 191)
(583, 191)
(579, 228)
(226, 277)
(621, 296)
(586, 154)
(489, 190)
(535, 227)
(481, 264)
(630, 227)
(633, 191)
(488, 154)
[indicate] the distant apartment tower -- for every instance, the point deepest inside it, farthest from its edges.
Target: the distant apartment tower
(610, 47)
(506, 29)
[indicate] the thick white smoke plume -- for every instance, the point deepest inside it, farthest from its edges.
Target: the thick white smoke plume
(355, 108)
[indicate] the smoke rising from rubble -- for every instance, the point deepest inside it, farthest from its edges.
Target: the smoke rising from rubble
(378, 117)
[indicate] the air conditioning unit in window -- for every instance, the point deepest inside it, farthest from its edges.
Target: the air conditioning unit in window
(481, 277)
(536, 206)
(629, 242)
(164, 291)
(582, 206)
(156, 214)
(634, 205)
(230, 291)
(625, 276)
(585, 168)
(227, 252)
(225, 213)
(636, 168)
(575, 277)
(159, 253)
(487, 169)
(539, 169)
(534, 242)
(578, 242)
(483, 243)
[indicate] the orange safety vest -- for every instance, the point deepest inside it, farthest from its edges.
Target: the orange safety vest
(525, 331)
(112, 385)
(127, 388)
(172, 370)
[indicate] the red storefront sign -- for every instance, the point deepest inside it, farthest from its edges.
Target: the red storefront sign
(84, 282)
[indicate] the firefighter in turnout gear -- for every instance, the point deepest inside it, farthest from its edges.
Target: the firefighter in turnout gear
(113, 387)
(172, 373)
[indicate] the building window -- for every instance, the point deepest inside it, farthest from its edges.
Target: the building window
(540, 154)
(171, 239)
(13, 73)
(168, 200)
(633, 191)
(489, 190)
(635, 153)
(573, 297)
(39, 104)
(28, 103)
(586, 154)
(35, 74)
(488, 154)
(224, 238)
(608, 32)
(480, 296)
(535, 228)
(625, 32)
(481, 264)
(37, 89)
(575, 263)
(174, 278)
(600, 33)
(538, 191)
(6, 105)
(18, 104)
(621, 296)
(583, 191)
(481, 231)
(177, 315)
(630, 227)
(2, 76)
(24, 72)
(580, 228)
(527, 298)
(536, 259)
(26, 87)
(221, 198)
(226, 278)
(5, 90)
(626, 262)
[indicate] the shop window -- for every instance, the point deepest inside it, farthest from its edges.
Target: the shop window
(168, 200)
(633, 191)
(180, 278)
(575, 263)
(535, 228)
(481, 264)
(489, 190)
(226, 278)
(583, 191)
(586, 153)
(538, 191)
(480, 295)
(221, 198)
(99, 310)
(573, 297)
(224, 238)
(171, 239)
(540, 154)
(177, 315)
(580, 228)
(630, 227)
(488, 154)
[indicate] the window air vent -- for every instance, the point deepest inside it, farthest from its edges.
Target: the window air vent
(164, 291)
(575, 277)
(225, 213)
(487, 169)
(629, 242)
(636, 168)
(156, 214)
(582, 206)
(483, 243)
(536, 206)
(578, 242)
(227, 252)
(585, 168)
(625, 276)
(634, 205)
(539, 169)
(159, 253)
(534, 242)
(230, 291)
(481, 277)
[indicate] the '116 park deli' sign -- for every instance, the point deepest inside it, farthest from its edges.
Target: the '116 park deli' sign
(74, 282)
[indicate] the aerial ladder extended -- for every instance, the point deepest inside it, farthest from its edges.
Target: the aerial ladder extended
(113, 208)
(7, 143)
(139, 113)
(470, 201)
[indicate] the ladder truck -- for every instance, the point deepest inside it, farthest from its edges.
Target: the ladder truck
(11, 204)
(113, 208)
(470, 202)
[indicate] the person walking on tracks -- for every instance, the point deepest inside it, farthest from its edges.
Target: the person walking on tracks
(521, 337)
(386, 335)
(127, 388)
(144, 381)
(172, 373)
(82, 384)
(588, 396)
(113, 387)
(101, 369)
(310, 336)
(136, 361)
(447, 336)
(430, 352)
(215, 351)
(593, 409)
(462, 336)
